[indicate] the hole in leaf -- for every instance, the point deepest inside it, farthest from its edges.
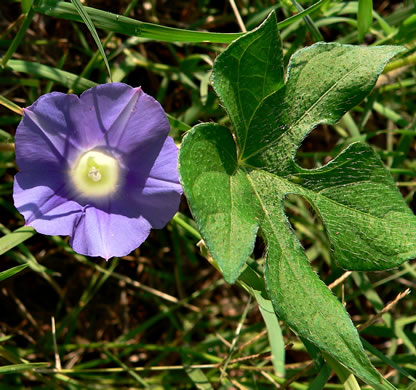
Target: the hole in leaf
(317, 148)
(259, 248)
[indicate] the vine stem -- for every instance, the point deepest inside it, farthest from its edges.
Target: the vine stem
(410, 60)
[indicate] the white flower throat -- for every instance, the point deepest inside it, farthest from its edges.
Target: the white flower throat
(96, 174)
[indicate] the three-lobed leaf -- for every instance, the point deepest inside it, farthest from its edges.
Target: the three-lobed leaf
(236, 181)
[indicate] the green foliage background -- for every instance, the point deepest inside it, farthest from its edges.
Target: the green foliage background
(163, 317)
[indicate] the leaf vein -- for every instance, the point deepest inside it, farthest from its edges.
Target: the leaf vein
(297, 121)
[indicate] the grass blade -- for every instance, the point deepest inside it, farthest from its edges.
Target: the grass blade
(364, 17)
(128, 26)
(20, 34)
(178, 124)
(11, 368)
(61, 77)
(313, 29)
(88, 22)
(196, 375)
(386, 360)
(248, 279)
(320, 381)
(9, 241)
(10, 105)
(274, 333)
(12, 271)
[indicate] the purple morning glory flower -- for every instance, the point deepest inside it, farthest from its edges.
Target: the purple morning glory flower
(99, 168)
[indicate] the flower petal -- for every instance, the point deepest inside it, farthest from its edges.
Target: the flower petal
(141, 122)
(161, 194)
(105, 234)
(49, 134)
(165, 167)
(45, 206)
(159, 202)
(103, 106)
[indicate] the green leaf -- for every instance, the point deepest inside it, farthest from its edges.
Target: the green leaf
(346, 378)
(236, 181)
(320, 380)
(88, 22)
(407, 29)
(10, 105)
(132, 27)
(196, 375)
(61, 77)
(364, 17)
(29, 14)
(246, 76)
(12, 271)
(124, 25)
(324, 81)
(227, 222)
(12, 368)
(26, 4)
(313, 29)
(9, 241)
(254, 284)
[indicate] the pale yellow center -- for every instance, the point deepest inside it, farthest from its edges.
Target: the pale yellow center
(96, 174)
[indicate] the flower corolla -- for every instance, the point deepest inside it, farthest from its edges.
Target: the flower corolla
(100, 168)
